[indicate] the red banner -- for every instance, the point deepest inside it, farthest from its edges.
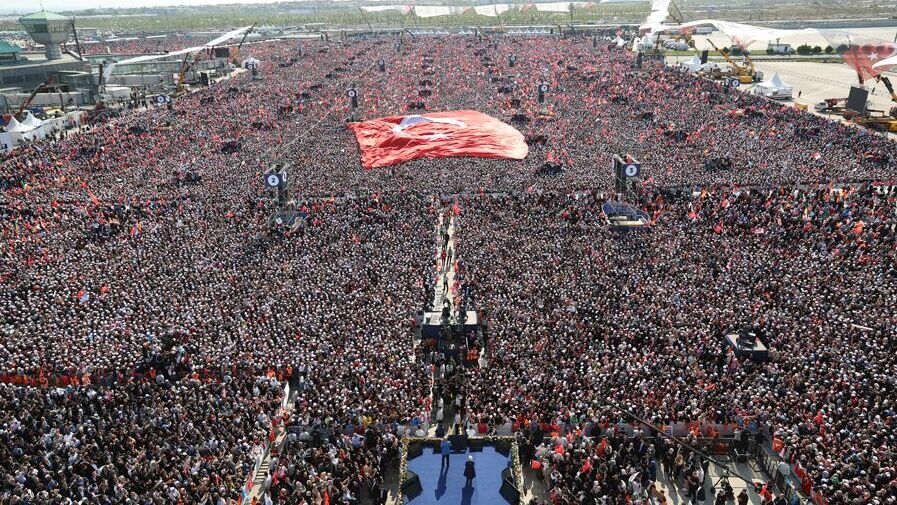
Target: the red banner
(397, 139)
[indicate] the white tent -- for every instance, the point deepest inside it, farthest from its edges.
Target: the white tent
(692, 65)
(15, 133)
(32, 121)
(39, 129)
(14, 126)
(774, 88)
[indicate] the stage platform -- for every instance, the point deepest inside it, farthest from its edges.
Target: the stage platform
(750, 347)
(445, 484)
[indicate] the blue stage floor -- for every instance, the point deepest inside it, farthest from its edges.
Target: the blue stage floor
(445, 485)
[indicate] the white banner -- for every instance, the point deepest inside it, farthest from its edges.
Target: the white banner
(887, 62)
(107, 72)
(431, 11)
(227, 36)
(491, 10)
(382, 8)
(554, 7)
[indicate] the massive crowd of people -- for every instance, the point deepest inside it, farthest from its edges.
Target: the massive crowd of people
(145, 300)
(638, 319)
(138, 45)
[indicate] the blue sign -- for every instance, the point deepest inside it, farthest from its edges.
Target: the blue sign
(632, 169)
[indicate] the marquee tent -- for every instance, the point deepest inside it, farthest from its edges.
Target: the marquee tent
(692, 65)
(774, 88)
(15, 133)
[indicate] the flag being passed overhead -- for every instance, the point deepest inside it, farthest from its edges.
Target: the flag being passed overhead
(397, 139)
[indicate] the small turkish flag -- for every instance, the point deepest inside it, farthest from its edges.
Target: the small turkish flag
(862, 58)
(397, 139)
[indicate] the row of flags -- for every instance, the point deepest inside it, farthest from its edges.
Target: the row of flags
(492, 10)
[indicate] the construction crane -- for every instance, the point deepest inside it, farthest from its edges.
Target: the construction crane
(45, 86)
(182, 73)
(878, 119)
(887, 82)
(236, 52)
(675, 13)
(755, 74)
(744, 74)
(870, 118)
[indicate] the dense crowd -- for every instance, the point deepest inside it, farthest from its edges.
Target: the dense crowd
(139, 273)
(141, 44)
(160, 441)
(637, 319)
(334, 465)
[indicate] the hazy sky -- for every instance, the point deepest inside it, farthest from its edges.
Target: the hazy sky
(58, 5)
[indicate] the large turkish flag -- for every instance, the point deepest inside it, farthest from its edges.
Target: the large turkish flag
(397, 139)
(863, 58)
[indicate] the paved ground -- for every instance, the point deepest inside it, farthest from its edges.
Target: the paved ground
(817, 81)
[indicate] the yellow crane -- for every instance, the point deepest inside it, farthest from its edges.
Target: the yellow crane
(745, 74)
(880, 120)
(182, 73)
(235, 53)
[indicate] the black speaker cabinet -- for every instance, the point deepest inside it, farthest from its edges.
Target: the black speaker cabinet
(509, 492)
(412, 488)
(415, 449)
(459, 442)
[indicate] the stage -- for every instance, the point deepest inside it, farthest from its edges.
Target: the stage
(445, 484)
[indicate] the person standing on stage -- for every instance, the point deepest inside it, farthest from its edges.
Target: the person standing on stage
(470, 472)
(446, 448)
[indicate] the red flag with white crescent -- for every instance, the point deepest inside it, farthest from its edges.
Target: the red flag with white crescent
(862, 58)
(397, 139)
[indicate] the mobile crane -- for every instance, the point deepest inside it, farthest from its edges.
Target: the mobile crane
(882, 122)
(48, 86)
(746, 74)
(235, 54)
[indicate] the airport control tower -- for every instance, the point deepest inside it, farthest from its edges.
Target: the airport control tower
(48, 29)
